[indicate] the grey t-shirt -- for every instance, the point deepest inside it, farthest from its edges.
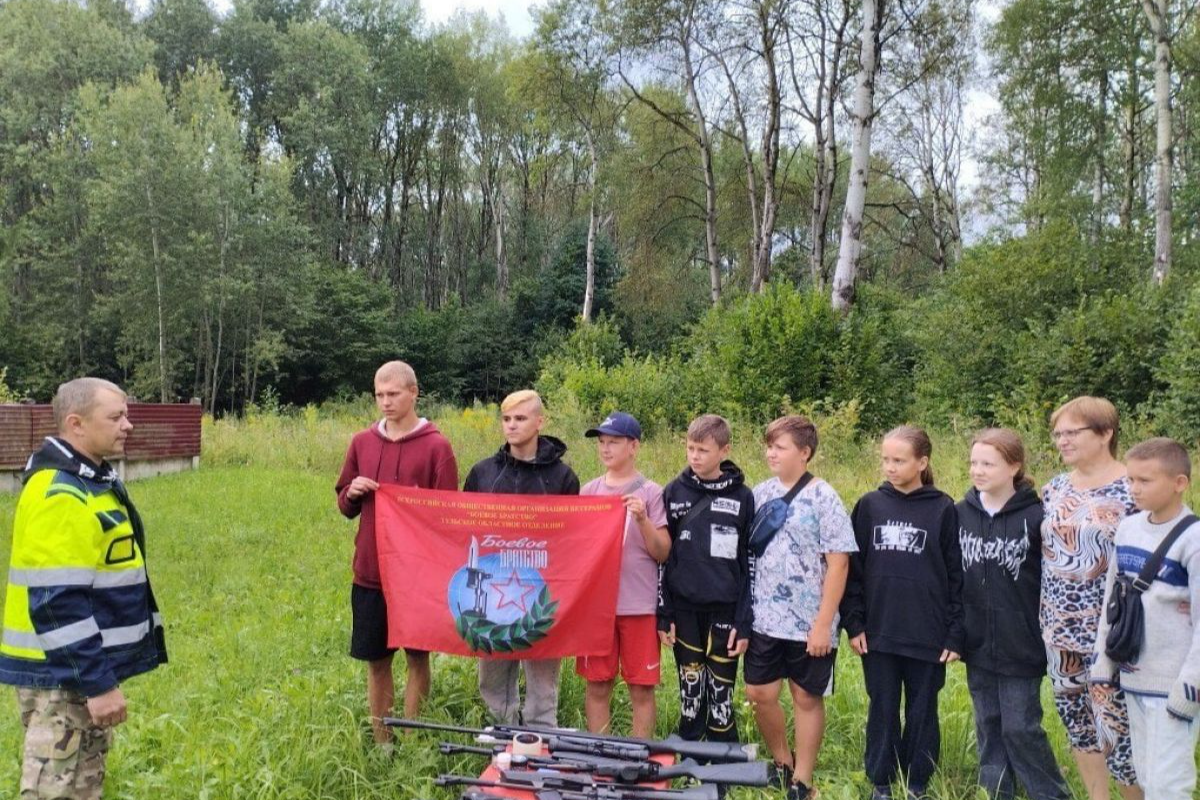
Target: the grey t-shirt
(790, 575)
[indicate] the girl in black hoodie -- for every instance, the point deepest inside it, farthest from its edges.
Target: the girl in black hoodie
(903, 610)
(999, 529)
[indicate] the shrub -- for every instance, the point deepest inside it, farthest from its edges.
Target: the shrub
(874, 360)
(7, 395)
(1176, 408)
(649, 387)
(1107, 344)
(764, 350)
(1003, 295)
(753, 360)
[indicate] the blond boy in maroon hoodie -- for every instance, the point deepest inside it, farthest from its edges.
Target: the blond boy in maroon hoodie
(405, 450)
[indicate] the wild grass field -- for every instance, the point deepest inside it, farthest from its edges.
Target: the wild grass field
(251, 562)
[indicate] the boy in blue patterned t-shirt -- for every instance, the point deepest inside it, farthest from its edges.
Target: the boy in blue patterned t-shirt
(797, 586)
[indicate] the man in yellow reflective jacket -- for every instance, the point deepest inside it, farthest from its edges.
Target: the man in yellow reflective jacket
(79, 614)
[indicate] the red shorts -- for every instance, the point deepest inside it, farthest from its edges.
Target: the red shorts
(634, 650)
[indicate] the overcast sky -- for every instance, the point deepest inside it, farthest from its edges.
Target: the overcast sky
(515, 12)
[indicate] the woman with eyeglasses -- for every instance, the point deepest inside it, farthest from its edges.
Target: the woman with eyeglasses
(1082, 510)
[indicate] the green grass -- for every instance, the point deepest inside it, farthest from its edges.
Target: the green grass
(251, 562)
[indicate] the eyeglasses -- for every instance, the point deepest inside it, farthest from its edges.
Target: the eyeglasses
(1067, 435)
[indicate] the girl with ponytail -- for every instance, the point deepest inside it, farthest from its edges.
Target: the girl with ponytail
(903, 610)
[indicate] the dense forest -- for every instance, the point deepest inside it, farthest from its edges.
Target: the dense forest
(666, 205)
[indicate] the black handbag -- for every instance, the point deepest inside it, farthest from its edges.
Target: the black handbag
(1124, 612)
(772, 516)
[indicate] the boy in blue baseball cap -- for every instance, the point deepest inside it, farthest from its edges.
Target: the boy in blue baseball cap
(635, 650)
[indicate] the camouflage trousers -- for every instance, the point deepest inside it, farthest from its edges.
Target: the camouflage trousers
(64, 752)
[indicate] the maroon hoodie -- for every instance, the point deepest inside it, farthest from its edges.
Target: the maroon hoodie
(423, 458)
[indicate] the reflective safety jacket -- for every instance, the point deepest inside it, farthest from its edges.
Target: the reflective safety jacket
(79, 613)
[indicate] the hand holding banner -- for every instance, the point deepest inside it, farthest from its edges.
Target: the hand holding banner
(499, 575)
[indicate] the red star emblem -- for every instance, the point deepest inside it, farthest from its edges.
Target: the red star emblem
(512, 593)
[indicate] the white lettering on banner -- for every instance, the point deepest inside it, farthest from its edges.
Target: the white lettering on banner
(492, 540)
(534, 559)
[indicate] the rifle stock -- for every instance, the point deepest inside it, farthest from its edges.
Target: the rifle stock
(750, 773)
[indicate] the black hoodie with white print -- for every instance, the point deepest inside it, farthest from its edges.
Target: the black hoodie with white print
(1002, 577)
(708, 567)
(905, 585)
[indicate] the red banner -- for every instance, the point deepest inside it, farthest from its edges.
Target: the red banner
(499, 575)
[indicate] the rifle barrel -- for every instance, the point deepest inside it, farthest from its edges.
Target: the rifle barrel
(419, 725)
(701, 751)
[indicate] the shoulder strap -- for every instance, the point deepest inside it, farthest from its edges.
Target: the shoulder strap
(1154, 562)
(696, 510)
(805, 479)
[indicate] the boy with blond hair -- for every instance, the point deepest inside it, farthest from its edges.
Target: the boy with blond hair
(1162, 682)
(704, 589)
(528, 463)
(404, 449)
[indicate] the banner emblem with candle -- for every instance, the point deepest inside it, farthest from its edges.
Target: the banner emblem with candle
(499, 575)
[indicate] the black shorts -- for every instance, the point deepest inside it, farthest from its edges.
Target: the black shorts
(368, 631)
(770, 659)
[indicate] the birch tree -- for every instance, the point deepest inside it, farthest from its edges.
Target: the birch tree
(818, 43)
(924, 142)
(666, 35)
(576, 72)
(862, 118)
(1159, 13)
(748, 53)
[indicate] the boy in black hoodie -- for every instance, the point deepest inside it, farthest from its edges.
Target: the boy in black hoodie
(528, 463)
(1000, 531)
(903, 610)
(704, 588)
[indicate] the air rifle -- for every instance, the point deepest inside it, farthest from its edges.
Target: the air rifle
(479, 794)
(546, 786)
(600, 745)
(752, 773)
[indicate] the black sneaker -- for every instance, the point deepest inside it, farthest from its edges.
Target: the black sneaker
(779, 776)
(800, 791)
(881, 793)
(917, 793)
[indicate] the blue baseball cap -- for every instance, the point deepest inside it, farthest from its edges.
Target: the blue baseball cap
(618, 423)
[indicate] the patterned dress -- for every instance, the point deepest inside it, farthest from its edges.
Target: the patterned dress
(1077, 544)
